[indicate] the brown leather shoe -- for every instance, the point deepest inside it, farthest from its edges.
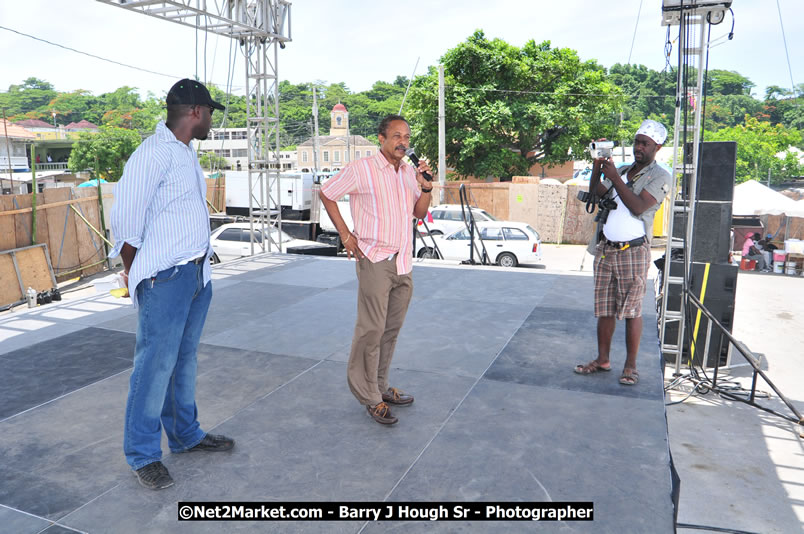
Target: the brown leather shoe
(381, 413)
(397, 396)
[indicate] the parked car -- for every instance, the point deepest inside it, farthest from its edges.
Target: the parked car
(447, 218)
(233, 240)
(507, 243)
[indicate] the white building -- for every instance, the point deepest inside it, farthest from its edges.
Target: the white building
(333, 150)
(232, 145)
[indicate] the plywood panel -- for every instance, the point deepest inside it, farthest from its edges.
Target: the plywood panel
(89, 245)
(41, 220)
(61, 231)
(22, 221)
(776, 226)
(216, 193)
(9, 285)
(8, 232)
(34, 269)
(108, 204)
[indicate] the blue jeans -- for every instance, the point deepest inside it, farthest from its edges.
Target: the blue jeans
(172, 309)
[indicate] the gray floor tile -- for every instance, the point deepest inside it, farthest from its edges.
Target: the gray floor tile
(553, 340)
(20, 332)
(325, 273)
(243, 302)
(528, 432)
(47, 370)
(312, 328)
(501, 445)
(455, 336)
(41, 452)
(258, 266)
(232, 303)
(20, 523)
(312, 429)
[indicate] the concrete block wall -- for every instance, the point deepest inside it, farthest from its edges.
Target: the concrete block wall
(553, 210)
(552, 201)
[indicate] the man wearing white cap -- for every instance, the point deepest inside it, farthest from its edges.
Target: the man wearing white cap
(622, 246)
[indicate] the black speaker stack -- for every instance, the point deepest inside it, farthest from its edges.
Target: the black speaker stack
(711, 243)
(711, 235)
(716, 290)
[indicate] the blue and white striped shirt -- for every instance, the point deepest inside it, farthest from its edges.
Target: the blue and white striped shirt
(160, 208)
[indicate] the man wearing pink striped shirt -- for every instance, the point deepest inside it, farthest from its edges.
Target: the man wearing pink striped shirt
(384, 194)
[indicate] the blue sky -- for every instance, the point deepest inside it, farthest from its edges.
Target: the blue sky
(360, 41)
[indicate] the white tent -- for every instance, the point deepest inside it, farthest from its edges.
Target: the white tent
(753, 198)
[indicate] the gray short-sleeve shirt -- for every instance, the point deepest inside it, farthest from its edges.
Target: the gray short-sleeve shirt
(656, 181)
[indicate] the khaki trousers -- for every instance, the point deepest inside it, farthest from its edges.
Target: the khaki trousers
(382, 302)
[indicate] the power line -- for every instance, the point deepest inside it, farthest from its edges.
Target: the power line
(786, 53)
(94, 56)
(87, 53)
(636, 25)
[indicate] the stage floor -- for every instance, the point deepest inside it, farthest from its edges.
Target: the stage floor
(488, 353)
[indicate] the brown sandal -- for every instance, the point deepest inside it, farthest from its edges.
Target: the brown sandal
(591, 368)
(630, 377)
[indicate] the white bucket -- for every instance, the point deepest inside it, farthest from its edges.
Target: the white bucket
(790, 268)
(778, 267)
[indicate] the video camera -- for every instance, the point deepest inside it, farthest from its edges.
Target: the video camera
(601, 149)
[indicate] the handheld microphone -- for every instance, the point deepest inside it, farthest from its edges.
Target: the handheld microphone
(412, 155)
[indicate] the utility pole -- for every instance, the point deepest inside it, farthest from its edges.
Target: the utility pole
(315, 135)
(442, 151)
(348, 158)
(8, 152)
(622, 141)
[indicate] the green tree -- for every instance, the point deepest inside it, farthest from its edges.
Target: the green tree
(104, 153)
(235, 112)
(725, 111)
(648, 93)
(509, 107)
(209, 161)
(32, 95)
(151, 112)
(727, 82)
(123, 98)
(72, 107)
(758, 143)
(785, 106)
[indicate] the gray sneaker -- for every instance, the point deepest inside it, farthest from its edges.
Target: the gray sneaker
(154, 476)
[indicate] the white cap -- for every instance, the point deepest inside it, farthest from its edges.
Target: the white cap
(654, 130)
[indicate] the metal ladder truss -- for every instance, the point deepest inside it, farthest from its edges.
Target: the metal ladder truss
(692, 22)
(261, 27)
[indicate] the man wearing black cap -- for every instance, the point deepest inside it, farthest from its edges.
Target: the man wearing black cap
(161, 226)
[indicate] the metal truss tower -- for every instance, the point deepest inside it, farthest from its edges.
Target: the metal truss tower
(261, 27)
(692, 17)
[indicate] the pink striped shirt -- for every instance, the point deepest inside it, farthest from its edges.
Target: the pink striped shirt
(381, 200)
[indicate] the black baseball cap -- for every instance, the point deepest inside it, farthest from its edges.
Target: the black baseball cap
(189, 92)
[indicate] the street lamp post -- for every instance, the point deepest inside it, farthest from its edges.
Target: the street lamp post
(54, 119)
